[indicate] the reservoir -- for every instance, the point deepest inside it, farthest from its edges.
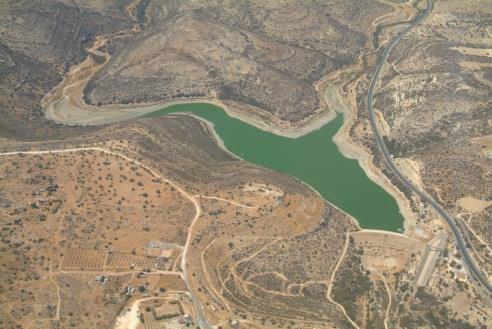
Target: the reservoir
(313, 158)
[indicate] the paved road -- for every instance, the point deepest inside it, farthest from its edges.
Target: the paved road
(473, 268)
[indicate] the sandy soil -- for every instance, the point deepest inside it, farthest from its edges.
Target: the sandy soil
(474, 51)
(386, 252)
(129, 319)
(473, 204)
(474, 65)
(383, 125)
(486, 142)
(411, 169)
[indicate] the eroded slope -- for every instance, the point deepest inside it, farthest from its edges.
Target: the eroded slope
(266, 54)
(69, 216)
(434, 106)
(39, 41)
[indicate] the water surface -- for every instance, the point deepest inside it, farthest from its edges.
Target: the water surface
(313, 158)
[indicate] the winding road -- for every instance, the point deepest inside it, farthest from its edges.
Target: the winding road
(470, 264)
(56, 111)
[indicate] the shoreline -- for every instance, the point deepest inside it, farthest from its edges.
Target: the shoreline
(350, 150)
(90, 115)
(347, 150)
(341, 139)
(220, 143)
(65, 105)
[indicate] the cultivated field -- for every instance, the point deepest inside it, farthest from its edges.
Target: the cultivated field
(68, 214)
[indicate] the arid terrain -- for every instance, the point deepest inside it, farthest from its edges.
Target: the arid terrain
(102, 213)
(39, 41)
(264, 250)
(267, 55)
(150, 223)
(434, 102)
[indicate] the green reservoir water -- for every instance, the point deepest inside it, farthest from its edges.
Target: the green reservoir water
(312, 158)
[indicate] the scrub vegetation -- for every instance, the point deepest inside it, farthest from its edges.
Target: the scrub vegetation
(124, 222)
